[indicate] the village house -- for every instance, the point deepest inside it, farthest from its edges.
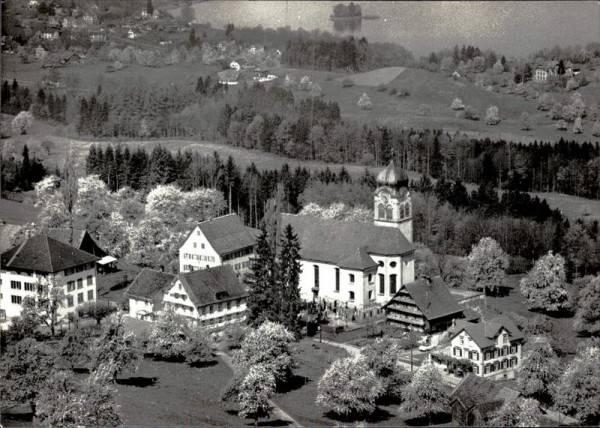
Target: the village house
(425, 305)
(90, 19)
(80, 238)
(131, 34)
(475, 399)
(541, 75)
(97, 37)
(491, 349)
(229, 77)
(353, 264)
(49, 35)
(42, 260)
(221, 241)
(211, 297)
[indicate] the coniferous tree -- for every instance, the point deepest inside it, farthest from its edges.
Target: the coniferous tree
(261, 284)
(149, 7)
(289, 270)
(436, 166)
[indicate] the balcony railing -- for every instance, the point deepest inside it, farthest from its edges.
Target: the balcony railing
(403, 318)
(405, 308)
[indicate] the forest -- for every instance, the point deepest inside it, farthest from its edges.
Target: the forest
(448, 218)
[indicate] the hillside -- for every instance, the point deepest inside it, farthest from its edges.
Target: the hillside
(437, 91)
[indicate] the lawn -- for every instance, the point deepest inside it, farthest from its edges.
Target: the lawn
(172, 394)
(16, 213)
(298, 400)
(382, 76)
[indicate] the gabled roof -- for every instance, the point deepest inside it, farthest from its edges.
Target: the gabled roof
(81, 239)
(485, 394)
(433, 299)
(484, 332)
(338, 242)
(148, 284)
(45, 255)
(212, 285)
(227, 234)
(358, 259)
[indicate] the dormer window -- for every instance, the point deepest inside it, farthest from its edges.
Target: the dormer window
(504, 338)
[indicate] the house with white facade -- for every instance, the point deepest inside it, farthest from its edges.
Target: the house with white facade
(492, 348)
(221, 241)
(541, 75)
(42, 260)
(211, 297)
(358, 264)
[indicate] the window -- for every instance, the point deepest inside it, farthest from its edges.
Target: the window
(504, 338)
(352, 296)
(371, 296)
(407, 213)
(195, 245)
(393, 264)
(198, 233)
(381, 284)
(70, 285)
(210, 309)
(392, 284)
(228, 304)
(202, 246)
(402, 211)
(351, 277)
(16, 299)
(80, 298)
(15, 285)
(316, 271)
(380, 263)
(486, 369)
(28, 286)
(90, 281)
(457, 352)
(90, 294)
(389, 213)
(370, 277)
(70, 301)
(476, 369)
(381, 211)
(79, 283)
(462, 340)
(476, 355)
(337, 280)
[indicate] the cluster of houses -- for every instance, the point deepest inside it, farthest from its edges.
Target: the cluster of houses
(553, 69)
(347, 266)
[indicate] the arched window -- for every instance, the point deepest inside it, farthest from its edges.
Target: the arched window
(407, 210)
(388, 212)
(380, 211)
(402, 211)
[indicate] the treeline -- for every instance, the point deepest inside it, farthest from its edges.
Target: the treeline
(14, 99)
(21, 175)
(344, 54)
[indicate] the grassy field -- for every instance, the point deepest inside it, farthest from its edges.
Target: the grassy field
(382, 76)
(16, 213)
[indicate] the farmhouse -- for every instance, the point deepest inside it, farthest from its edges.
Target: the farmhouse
(541, 75)
(475, 399)
(491, 348)
(425, 305)
(78, 238)
(212, 297)
(40, 52)
(358, 264)
(42, 260)
(220, 241)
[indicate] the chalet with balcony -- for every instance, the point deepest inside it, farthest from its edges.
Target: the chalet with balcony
(425, 305)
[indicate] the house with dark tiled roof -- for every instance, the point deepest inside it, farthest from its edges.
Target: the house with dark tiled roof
(45, 260)
(475, 399)
(492, 347)
(222, 240)
(78, 238)
(357, 264)
(146, 293)
(425, 305)
(212, 297)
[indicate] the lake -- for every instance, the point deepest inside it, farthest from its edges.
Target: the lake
(511, 28)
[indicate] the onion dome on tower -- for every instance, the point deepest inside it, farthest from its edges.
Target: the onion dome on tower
(393, 177)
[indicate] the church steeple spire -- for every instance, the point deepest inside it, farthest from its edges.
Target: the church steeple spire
(393, 206)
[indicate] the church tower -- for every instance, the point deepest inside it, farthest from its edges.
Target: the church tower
(393, 206)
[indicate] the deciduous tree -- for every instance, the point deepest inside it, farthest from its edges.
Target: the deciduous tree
(487, 265)
(349, 387)
(382, 356)
(22, 122)
(425, 395)
(544, 285)
(255, 390)
(538, 369)
(517, 412)
(587, 316)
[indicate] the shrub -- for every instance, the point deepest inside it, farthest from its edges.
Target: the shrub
(365, 102)
(304, 84)
(577, 127)
(471, 113)
(457, 104)
(561, 125)
(347, 83)
(491, 116)
(233, 335)
(403, 92)
(545, 102)
(393, 91)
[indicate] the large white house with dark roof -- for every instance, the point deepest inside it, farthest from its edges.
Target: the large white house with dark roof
(42, 260)
(216, 242)
(359, 264)
(212, 297)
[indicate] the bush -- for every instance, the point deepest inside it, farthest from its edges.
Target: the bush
(471, 113)
(347, 83)
(403, 92)
(491, 116)
(393, 91)
(457, 104)
(365, 102)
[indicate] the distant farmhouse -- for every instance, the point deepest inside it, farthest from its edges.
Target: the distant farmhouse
(42, 260)
(210, 297)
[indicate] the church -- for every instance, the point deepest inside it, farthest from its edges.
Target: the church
(356, 264)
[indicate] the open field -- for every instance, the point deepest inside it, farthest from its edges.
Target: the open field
(13, 212)
(382, 76)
